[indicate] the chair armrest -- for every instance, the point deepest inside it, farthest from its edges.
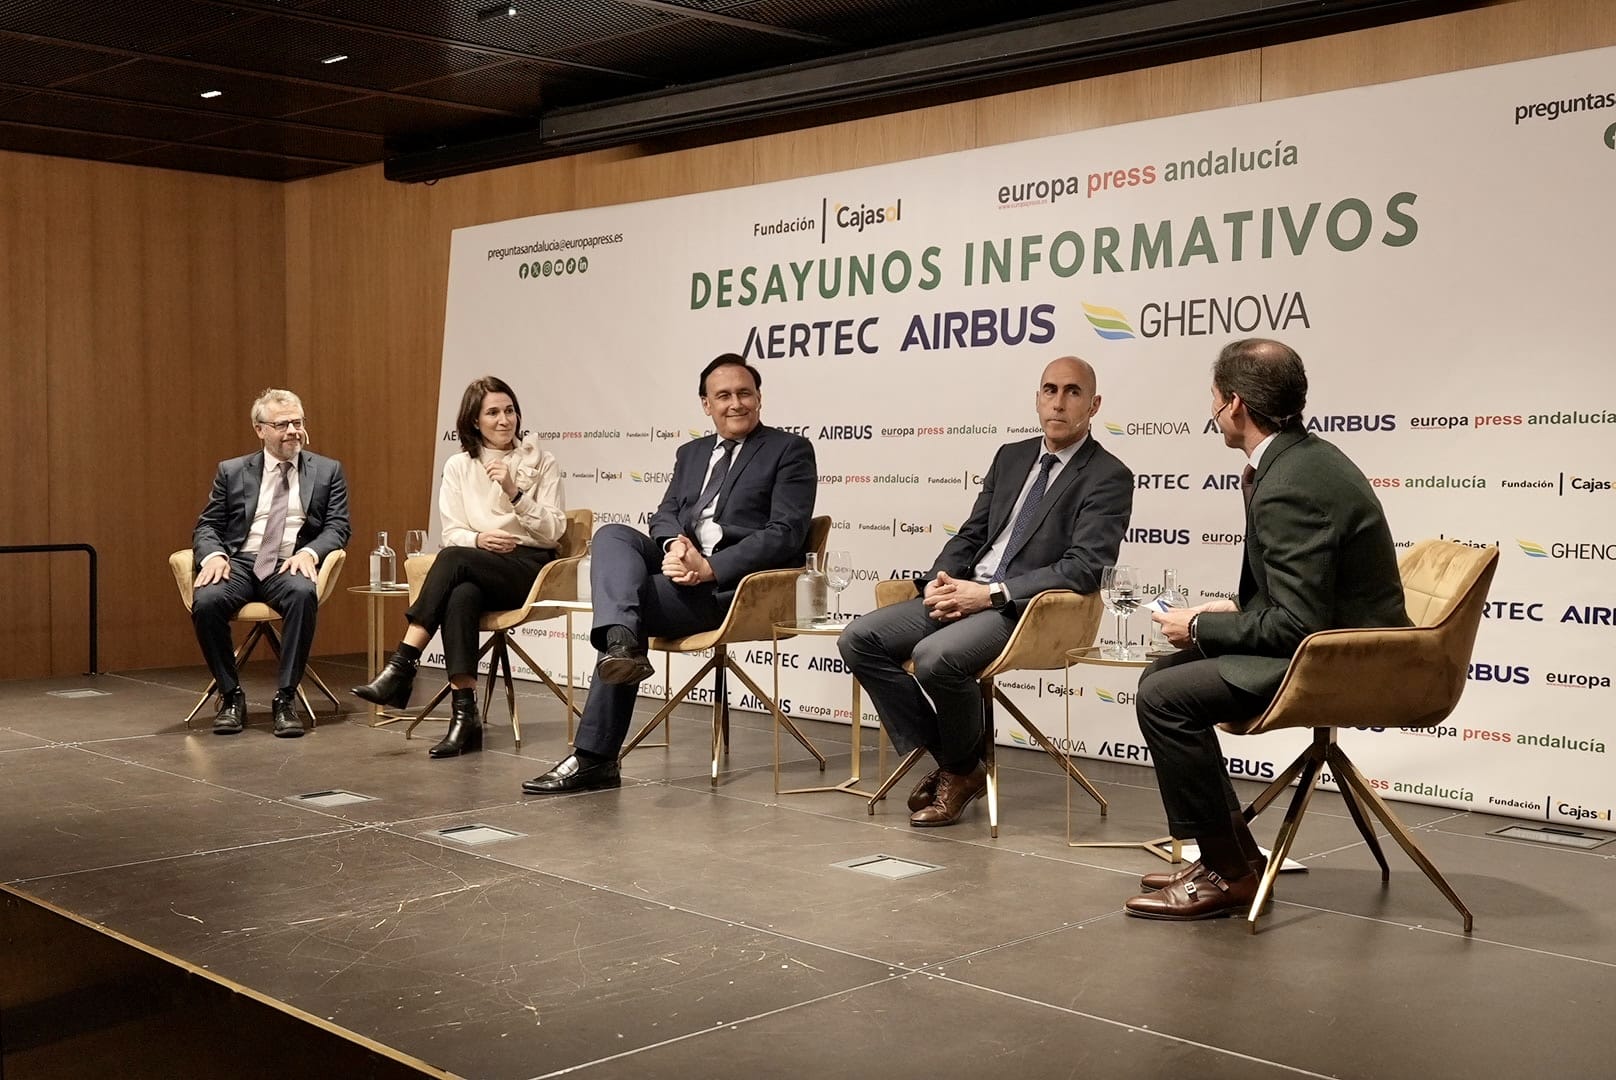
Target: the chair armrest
(415, 571)
(1406, 677)
(557, 581)
(326, 583)
(181, 563)
(894, 591)
(1054, 622)
(762, 599)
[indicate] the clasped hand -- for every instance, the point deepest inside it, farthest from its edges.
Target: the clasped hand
(684, 564)
(948, 598)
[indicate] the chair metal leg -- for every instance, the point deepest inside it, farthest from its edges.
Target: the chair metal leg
(510, 687)
(493, 673)
(319, 683)
(1266, 797)
(990, 757)
(887, 785)
(1312, 759)
(666, 712)
(784, 720)
(720, 733)
(1052, 750)
(555, 687)
(1346, 770)
(1364, 828)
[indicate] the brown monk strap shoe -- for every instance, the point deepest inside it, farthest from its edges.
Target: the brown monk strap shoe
(1154, 882)
(924, 792)
(1205, 895)
(954, 794)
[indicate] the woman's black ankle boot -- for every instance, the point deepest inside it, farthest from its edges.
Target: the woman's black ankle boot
(392, 685)
(465, 728)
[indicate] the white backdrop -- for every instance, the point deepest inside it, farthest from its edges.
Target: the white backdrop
(1438, 250)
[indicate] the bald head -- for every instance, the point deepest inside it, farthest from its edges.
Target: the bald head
(1067, 401)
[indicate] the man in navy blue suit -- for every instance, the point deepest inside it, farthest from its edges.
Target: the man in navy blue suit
(740, 500)
(272, 518)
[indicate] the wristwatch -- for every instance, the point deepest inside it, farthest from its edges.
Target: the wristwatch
(997, 596)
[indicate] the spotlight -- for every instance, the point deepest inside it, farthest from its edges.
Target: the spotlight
(498, 11)
(335, 59)
(212, 93)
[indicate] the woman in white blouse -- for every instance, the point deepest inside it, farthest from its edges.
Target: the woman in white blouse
(503, 515)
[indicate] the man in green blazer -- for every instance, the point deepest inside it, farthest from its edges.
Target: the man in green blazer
(1318, 556)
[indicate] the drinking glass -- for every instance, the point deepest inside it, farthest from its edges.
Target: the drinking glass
(414, 542)
(838, 575)
(1119, 588)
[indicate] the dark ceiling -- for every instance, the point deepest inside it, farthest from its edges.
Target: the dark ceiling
(449, 86)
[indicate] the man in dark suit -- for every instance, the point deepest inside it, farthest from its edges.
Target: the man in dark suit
(739, 501)
(271, 520)
(1050, 516)
(1318, 556)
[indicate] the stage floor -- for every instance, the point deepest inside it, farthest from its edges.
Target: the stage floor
(665, 930)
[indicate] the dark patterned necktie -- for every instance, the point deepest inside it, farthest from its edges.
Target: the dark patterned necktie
(710, 492)
(1029, 510)
(269, 552)
(1248, 478)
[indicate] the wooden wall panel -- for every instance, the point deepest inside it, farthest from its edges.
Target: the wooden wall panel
(24, 463)
(150, 308)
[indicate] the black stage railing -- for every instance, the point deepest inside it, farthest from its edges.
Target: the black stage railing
(35, 549)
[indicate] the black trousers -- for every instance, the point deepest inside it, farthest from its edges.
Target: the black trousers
(463, 583)
(630, 590)
(1182, 699)
(292, 596)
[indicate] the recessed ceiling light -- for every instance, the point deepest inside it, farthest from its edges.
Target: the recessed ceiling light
(212, 93)
(335, 59)
(498, 11)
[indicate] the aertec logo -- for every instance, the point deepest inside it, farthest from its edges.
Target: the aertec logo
(1108, 322)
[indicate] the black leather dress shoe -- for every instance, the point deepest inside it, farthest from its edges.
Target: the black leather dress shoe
(621, 664)
(924, 792)
(232, 715)
(287, 725)
(571, 774)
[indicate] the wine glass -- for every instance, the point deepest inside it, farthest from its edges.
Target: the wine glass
(838, 575)
(1119, 588)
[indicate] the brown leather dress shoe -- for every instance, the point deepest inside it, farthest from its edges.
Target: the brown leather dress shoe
(924, 792)
(954, 794)
(1205, 895)
(1154, 882)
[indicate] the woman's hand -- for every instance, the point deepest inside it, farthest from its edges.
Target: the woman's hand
(499, 474)
(497, 540)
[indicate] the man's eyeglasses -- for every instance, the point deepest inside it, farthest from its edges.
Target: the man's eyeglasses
(282, 425)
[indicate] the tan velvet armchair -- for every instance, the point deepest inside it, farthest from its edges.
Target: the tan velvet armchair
(762, 600)
(1408, 677)
(262, 619)
(1054, 622)
(557, 581)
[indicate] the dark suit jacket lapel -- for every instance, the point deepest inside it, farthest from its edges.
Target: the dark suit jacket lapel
(1250, 582)
(1017, 463)
(252, 477)
(749, 450)
(1063, 480)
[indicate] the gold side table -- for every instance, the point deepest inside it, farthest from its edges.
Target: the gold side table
(376, 640)
(569, 608)
(850, 786)
(1167, 848)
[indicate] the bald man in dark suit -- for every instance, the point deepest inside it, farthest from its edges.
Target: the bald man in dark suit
(1050, 516)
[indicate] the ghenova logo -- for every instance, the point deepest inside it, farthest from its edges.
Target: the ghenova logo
(1532, 549)
(1108, 322)
(578, 264)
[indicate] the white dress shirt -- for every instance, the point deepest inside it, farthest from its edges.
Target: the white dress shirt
(260, 521)
(708, 531)
(988, 564)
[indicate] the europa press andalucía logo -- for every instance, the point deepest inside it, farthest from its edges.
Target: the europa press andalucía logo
(1108, 322)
